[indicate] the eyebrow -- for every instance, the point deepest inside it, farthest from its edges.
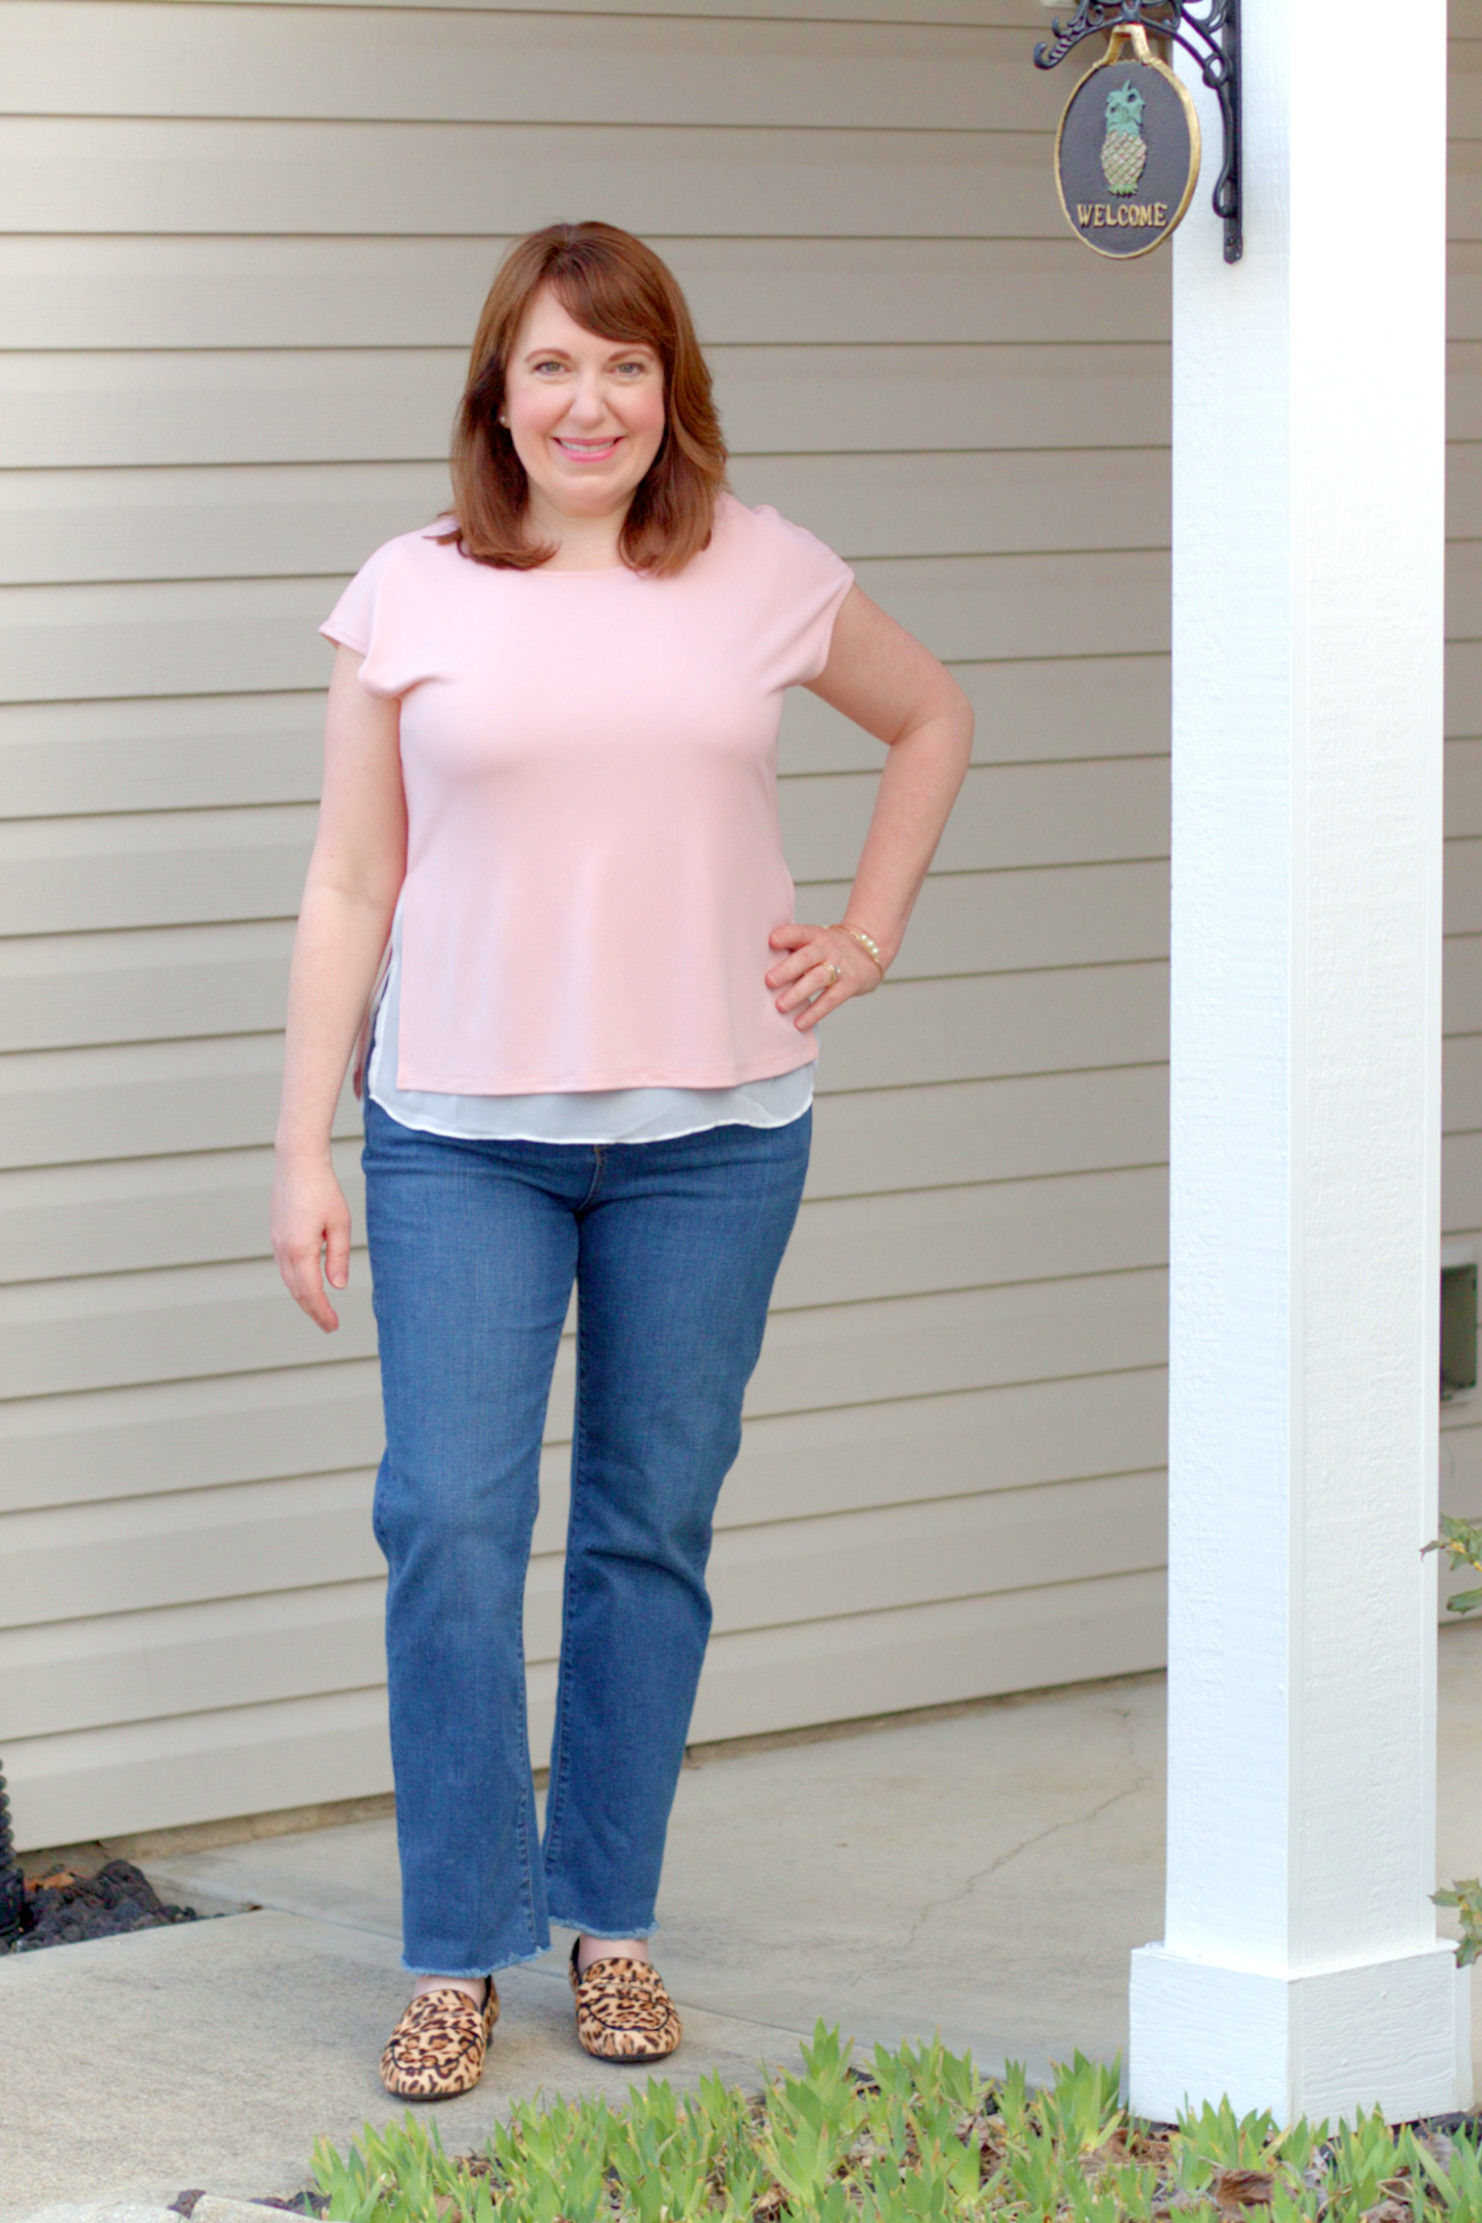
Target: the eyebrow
(623, 347)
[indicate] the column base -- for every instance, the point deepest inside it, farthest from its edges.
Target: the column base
(1395, 2034)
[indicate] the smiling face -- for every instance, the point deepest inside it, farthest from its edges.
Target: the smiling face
(585, 415)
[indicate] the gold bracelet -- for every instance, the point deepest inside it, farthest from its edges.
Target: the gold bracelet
(866, 942)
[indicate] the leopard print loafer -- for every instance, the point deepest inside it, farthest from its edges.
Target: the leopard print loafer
(437, 2049)
(623, 2012)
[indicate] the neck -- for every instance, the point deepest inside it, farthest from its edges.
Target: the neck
(581, 543)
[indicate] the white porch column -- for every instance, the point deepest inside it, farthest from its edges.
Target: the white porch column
(1299, 1969)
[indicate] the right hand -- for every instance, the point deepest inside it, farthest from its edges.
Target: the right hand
(311, 1236)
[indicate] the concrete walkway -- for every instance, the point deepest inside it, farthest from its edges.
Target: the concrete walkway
(985, 1873)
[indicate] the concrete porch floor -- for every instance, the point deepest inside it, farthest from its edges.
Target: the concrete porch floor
(985, 1872)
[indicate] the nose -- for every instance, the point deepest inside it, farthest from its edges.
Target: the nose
(588, 405)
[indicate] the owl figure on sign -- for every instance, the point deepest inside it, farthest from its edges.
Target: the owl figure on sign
(1124, 151)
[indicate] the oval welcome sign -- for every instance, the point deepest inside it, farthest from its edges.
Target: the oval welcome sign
(1127, 152)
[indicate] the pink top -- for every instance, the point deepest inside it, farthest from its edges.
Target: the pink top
(594, 860)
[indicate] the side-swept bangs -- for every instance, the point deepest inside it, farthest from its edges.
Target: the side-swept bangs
(617, 287)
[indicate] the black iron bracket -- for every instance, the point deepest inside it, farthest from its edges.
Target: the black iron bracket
(1211, 34)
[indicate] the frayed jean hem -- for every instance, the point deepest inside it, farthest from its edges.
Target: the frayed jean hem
(601, 1930)
(492, 1968)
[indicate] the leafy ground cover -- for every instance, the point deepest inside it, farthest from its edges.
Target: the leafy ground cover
(1462, 1543)
(917, 2137)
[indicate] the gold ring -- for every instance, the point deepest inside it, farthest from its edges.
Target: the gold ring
(835, 972)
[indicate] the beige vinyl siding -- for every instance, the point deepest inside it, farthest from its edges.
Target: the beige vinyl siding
(248, 245)
(1461, 1420)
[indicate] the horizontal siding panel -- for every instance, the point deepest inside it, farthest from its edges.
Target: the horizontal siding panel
(117, 1443)
(135, 1215)
(1461, 1493)
(158, 984)
(1464, 590)
(1019, 1023)
(139, 1553)
(1464, 290)
(108, 1329)
(1464, 489)
(1072, 707)
(60, 1106)
(178, 1546)
(198, 1767)
(258, 1429)
(1463, 390)
(215, 1210)
(1027, 711)
(1462, 984)
(167, 525)
(1463, 887)
(931, 1655)
(1461, 1466)
(1463, 1086)
(1461, 1183)
(71, 874)
(1020, 13)
(163, 984)
(1464, 190)
(157, 753)
(60, 174)
(199, 752)
(84, 526)
(1463, 787)
(960, 1238)
(247, 1650)
(124, 174)
(223, 292)
(128, 1215)
(989, 1130)
(180, 1658)
(104, 1782)
(316, 406)
(235, 636)
(837, 1355)
(921, 1553)
(1005, 816)
(122, 58)
(1010, 1438)
(1464, 24)
(142, 870)
(185, 1546)
(1464, 689)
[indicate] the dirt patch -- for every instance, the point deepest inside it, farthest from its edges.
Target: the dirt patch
(65, 1908)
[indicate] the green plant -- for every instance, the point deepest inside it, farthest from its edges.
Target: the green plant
(1465, 1894)
(1462, 1543)
(398, 2174)
(1080, 2110)
(919, 2137)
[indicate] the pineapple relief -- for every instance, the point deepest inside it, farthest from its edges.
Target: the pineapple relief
(1124, 151)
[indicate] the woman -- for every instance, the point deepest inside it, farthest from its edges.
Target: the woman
(550, 799)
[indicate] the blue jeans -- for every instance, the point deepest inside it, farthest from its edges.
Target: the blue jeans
(474, 1244)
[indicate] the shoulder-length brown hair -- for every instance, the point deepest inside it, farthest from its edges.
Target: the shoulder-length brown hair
(614, 285)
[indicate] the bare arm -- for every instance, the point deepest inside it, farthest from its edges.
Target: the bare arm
(355, 874)
(882, 677)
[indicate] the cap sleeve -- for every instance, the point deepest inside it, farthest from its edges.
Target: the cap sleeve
(364, 619)
(807, 585)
